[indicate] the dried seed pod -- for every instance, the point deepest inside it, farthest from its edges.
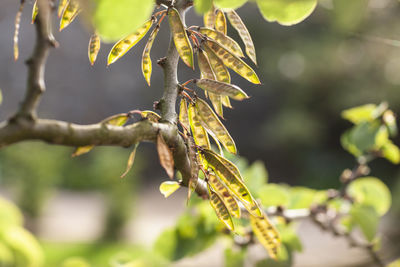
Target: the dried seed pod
(165, 156)
(209, 18)
(183, 116)
(61, 6)
(194, 167)
(232, 167)
(226, 102)
(224, 194)
(233, 62)
(126, 43)
(131, 159)
(222, 88)
(150, 115)
(16, 31)
(211, 122)
(69, 14)
(199, 133)
(35, 11)
(146, 60)
(267, 234)
(221, 72)
(94, 48)
(220, 22)
(224, 40)
(220, 209)
(181, 39)
(244, 34)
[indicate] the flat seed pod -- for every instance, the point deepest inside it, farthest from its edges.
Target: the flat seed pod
(126, 43)
(209, 18)
(266, 233)
(131, 159)
(16, 31)
(222, 88)
(226, 102)
(165, 156)
(211, 122)
(181, 39)
(221, 72)
(183, 116)
(220, 209)
(150, 115)
(244, 34)
(232, 167)
(69, 14)
(220, 22)
(94, 48)
(146, 60)
(199, 133)
(234, 184)
(35, 11)
(222, 191)
(233, 62)
(61, 6)
(224, 40)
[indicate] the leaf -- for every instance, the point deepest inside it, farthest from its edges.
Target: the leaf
(165, 156)
(199, 133)
(168, 188)
(69, 14)
(222, 88)
(16, 31)
(220, 22)
(211, 122)
(229, 4)
(126, 43)
(370, 191)
(94, 48)
(202, 6)
(244, 34)
(224, 194)
(391, 152)
(224, 40)
(286, 12)
(301, 197)
(274, 195)
(82, 150)
(35, 11)
(235, 257)
(220, 71)
(116, 19)
(395, 263)
(220, 209)
(367, 219)
(181, 39)
(150, 115)
(359, 114)
(255, 176)
(209, 18)
(233, 62)
(146, 60)
(289, 237)
(61, 6)
(131, 159)
(266, 233)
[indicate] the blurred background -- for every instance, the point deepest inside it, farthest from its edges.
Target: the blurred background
(340, 57)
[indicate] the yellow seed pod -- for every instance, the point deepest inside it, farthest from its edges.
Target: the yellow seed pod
(266, 233)
(222, 191)
(146, 60)
(220, 22)
(209, 18)
(232, 167)
(69, 14)
(61, 6)
(223, 39)
(126, 43)
(244, 34)
(150, 115)
(220, 209)
(181, 39)
(94, 48)
(183, 116)
(226, 102)
(35, 11)
(211, 122)
(233, 62)
(221, 72)
(220, 88)
(199, 133)
(194, 167)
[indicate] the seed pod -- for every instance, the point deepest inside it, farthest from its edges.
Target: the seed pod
(199, 133)
(220, 209)
(232, 167)
(183, 116)
(146, 60)
(150, 115)
(209, 18)
(224, 194)
(61, 6)
(194, 167)
(165, 156)
(234, 184)
(267, 234)
(181, 39)
(221, 88)
(16, 31)
(224, 40)
(220, 22)
(94, 48)
(244, 34)
(131, 159)
(126, 43)
(35, 11)
(233, 62)
(221, 72)
(253, 208)
(226, 102)
(211, 122)
(69, 14)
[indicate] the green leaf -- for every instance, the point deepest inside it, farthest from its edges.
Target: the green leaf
(367, 219)
(166, 243)
(273, 195)
(347, 223)
(9, 213)
(75, 262)
(282, 261)
(391, 152)
(286, 12)
(168, 188)
(289, 237)
(229, 4)
(255, 177)
(235, 258)
(6, 256)
(370, 191)
(202, 6)
(116, 19)
(301, 197)
(360, 114)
